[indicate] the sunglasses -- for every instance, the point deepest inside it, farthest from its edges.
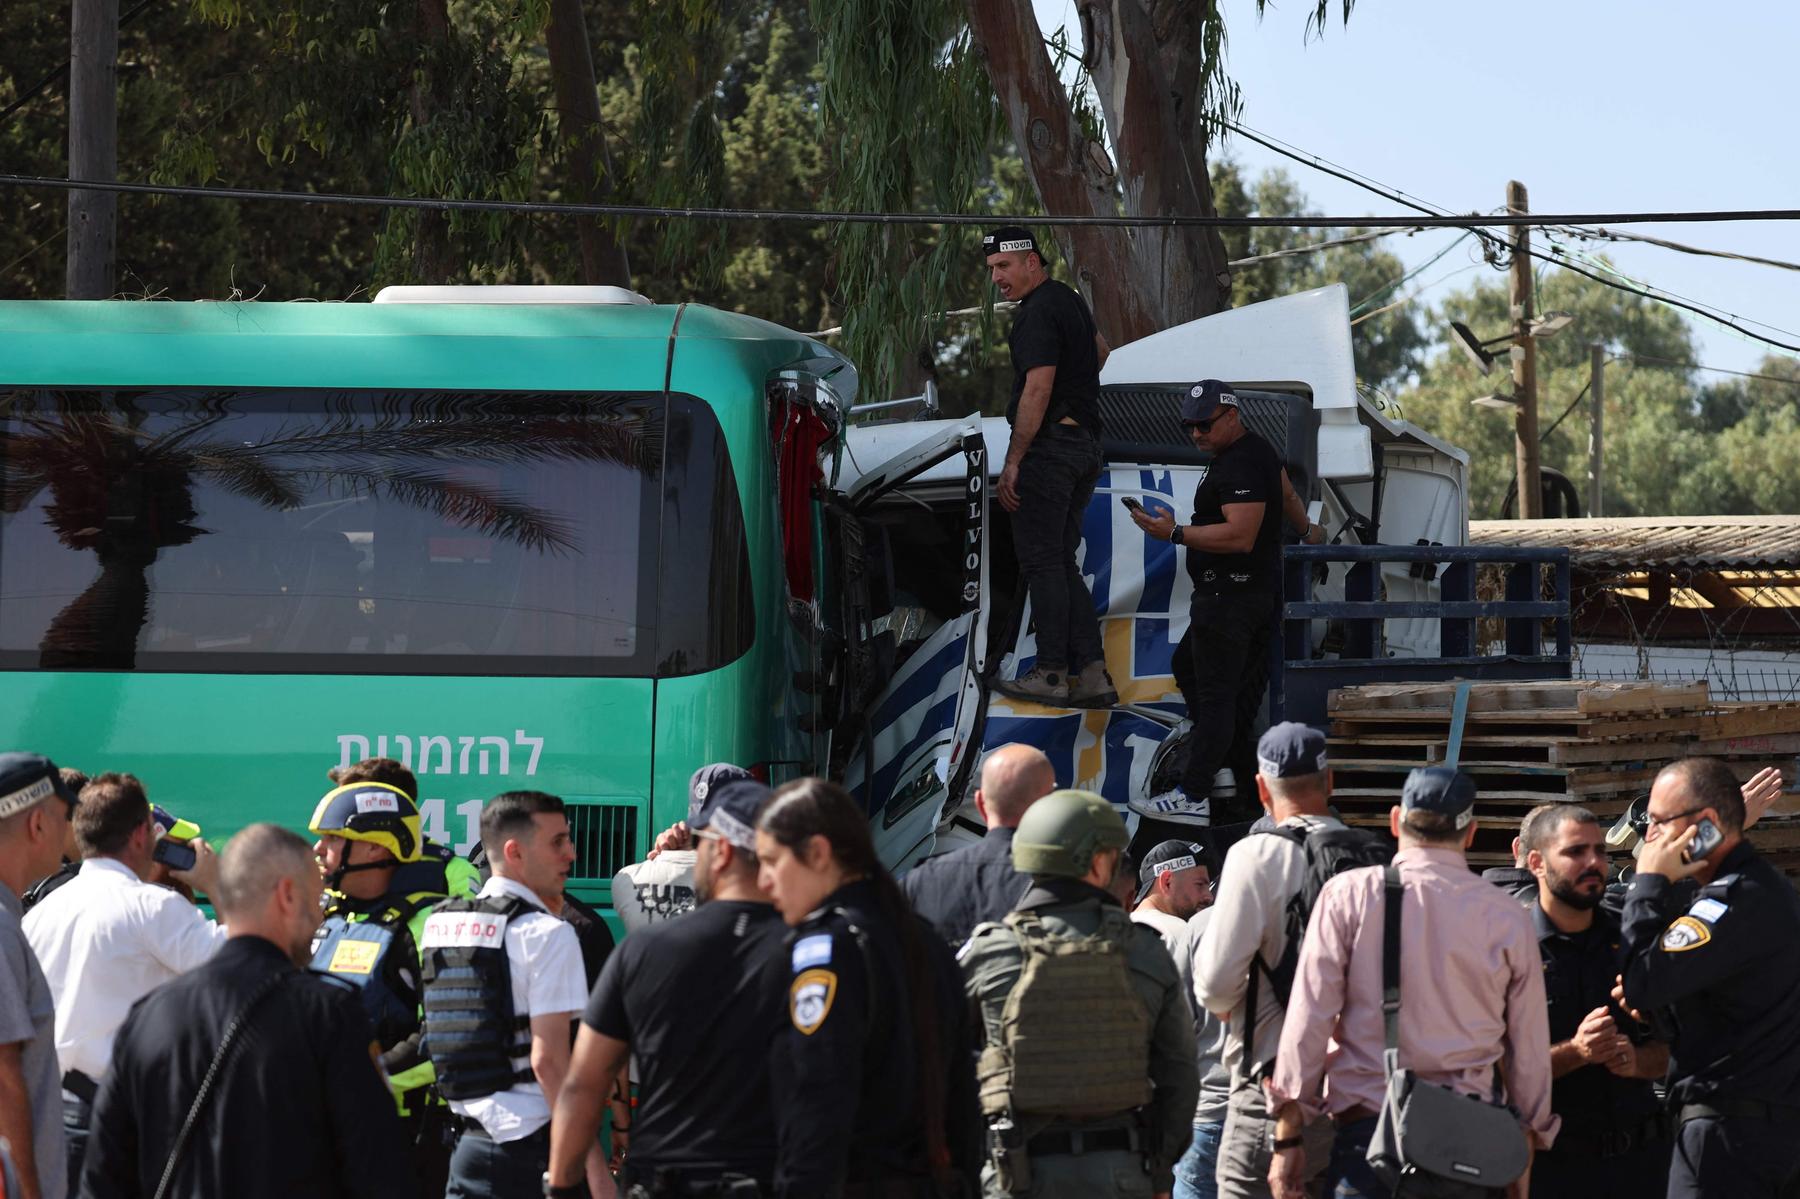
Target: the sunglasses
(1205, 426)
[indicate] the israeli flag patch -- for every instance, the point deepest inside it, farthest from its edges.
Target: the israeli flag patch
(1708, 910)
(812, 951)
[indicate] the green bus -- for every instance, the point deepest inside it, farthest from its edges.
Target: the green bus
(562, 539)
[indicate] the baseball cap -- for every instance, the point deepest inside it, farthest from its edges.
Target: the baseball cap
(1204, 400)
(1291, 749)
(705, 779)
(1166, 858)
(1442, 790)
(27, 780)
(1009, 238)
(730, 811)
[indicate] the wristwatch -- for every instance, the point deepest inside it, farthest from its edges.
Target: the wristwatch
(1175, 535)
(575, 1190)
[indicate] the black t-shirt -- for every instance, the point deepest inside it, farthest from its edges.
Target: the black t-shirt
(1053, 327)
(700, 1001)
(1246, 472)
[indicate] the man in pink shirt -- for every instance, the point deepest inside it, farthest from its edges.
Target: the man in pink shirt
(1471, 995)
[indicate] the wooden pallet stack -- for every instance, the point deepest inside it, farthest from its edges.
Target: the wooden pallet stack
(1593, 743)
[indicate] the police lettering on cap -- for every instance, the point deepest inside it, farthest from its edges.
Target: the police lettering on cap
(1205, 400)
(1442, 790)
(708, 777)
(1010, 239)
(730, 811)
(26, 780)
(1169, 857)
(1289, 750)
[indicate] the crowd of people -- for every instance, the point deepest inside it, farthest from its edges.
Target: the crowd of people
(1309, 1013)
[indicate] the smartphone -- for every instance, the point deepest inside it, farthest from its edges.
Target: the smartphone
(176, 855)
(1706, 839)
(1131, 503)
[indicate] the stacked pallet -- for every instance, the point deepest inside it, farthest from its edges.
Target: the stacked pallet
(1596, 744)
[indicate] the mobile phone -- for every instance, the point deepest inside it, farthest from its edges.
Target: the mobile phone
(1706, 839)
(1131, 503)
(176, 855)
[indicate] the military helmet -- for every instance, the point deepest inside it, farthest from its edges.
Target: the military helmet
(372, 812)
(1061, 833)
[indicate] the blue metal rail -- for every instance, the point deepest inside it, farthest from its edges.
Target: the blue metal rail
(1300, 682)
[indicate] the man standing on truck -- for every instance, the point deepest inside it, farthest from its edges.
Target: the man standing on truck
(1052, 464)
(1234, 560)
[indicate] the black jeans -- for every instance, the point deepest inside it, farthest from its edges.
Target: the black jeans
(77, 1113)
(1222, 669)
(1056, 481)
(1745, 1157)
(482, 1168)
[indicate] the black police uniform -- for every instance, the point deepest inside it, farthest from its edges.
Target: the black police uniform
(846, 1068)
(1615, 1135)
(973, 885)
(1222, 662)
(1724, 976)
(299, 1111)
(699, 1000)
(1516, 881)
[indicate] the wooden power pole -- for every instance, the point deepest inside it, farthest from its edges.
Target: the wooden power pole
(1524, 362)
(93, 145)
(1597, 427)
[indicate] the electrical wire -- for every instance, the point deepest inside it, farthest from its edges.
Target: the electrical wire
(1565, 412)
(1474, 221)
(1403, 280)
(44, 84)
(1672, 363)
(1679, 247)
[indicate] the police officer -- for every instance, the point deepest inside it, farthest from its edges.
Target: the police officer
(661, 887)
(376, 904)
(1234, 560)
(870, 1075)
(1087, 1074)
(1722, 974)
(684, 996)
(74, 780)
(1053, 461)
(1614, 1136)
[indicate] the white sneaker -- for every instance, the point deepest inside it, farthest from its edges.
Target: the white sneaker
(1174, 804)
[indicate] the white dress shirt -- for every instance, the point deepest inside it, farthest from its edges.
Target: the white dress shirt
(543, 956)
(106, 938)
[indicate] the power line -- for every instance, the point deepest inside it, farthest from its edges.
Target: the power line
(1680, 247)
(47, 81)
(1474, 221)
(1701, 366)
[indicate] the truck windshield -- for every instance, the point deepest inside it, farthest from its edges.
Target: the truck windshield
(363, 532)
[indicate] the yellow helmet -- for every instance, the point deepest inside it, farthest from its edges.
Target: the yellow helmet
(372, 812)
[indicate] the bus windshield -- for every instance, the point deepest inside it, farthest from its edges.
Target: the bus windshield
(362, 532)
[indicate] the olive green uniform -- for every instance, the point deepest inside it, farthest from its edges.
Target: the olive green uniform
(1128, 1152)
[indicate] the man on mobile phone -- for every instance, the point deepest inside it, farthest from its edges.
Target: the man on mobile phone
(1721, 974)
(110, 936)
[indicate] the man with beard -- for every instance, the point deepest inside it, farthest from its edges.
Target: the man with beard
(1615, 1135)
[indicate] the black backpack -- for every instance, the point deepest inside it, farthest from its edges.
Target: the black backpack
(1329, 852)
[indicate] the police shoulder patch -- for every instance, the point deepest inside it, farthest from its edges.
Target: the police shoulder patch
(1708, 910)
(812, 951)
(1685, 934)
(809, 999)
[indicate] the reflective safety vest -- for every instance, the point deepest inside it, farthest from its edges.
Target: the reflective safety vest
(472, 1033)
(359, 948)
(1075, 1034)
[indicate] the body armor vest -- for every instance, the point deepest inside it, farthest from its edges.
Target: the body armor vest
(1075, 1035)
(472, 1033)
(376, 956)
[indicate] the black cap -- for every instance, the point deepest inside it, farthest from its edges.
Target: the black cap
(1167, 858)
(1440, 789)
(1010, 238)
(1291, 749)
(708, 777)
(26, 780)
(1205, 400)
(730, 811)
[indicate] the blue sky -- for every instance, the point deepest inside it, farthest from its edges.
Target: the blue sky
(1646, 106)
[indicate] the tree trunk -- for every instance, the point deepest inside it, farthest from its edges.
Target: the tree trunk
(603, 258)
(1137, 280)
(434, 260)
(99, 629)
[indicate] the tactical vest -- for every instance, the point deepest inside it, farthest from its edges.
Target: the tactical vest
(472, 1033)
(375, 955)
(1074, 1035)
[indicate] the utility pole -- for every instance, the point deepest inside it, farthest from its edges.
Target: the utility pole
(1524, 361)
(1597, 426)
(93, 145)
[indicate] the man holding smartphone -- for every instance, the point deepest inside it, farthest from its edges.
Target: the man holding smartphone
(110, 936)
(1720, 973)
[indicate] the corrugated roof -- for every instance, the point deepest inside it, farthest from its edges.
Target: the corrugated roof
(1646, 541)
